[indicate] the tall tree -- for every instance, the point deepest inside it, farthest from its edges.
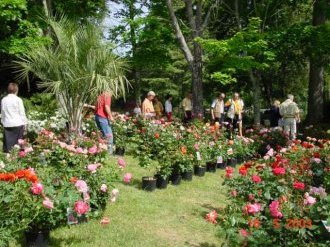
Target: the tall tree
(316, 71)
(193, 55)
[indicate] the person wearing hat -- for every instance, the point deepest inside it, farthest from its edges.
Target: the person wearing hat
(148, 110)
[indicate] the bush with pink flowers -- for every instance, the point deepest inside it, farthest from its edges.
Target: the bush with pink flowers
(73, 177)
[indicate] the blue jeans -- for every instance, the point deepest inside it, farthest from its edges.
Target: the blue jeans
(105, 127)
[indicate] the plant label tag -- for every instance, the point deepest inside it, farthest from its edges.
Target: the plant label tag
(220, 160)
(71, 219)
(198, 155)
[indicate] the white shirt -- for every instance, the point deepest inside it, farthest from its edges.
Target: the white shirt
(168, 106)
(12, 111)
(137, 111)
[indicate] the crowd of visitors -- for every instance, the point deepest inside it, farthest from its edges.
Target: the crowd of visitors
(224, 112)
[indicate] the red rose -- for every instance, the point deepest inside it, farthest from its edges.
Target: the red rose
(299, 185)
(278, 171)
(256, 179)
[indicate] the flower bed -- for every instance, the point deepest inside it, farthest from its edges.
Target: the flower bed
(279, 200)
(58, 183)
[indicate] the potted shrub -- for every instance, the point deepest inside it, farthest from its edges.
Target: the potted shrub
(148, 182)
(164, 171)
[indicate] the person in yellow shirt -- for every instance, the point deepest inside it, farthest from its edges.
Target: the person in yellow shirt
(148, 110)
(187, 108)
(159, 108)
(235, 110)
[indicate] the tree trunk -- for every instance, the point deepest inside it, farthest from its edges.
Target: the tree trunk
(136, 72)
(316, 72)
(197, 81)
(137, 80)
(256, 98)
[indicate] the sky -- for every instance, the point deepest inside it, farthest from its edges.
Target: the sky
(111, 21)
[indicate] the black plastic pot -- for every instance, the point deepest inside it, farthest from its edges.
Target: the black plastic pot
(120, 151)
(211, 167)
(200, 171)
(221, 165)
(187, 175)
(36, 238)
(161, 182)
(149, 183)
(176, 179)
(232, 162)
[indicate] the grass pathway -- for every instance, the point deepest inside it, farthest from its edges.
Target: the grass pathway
(170, 217)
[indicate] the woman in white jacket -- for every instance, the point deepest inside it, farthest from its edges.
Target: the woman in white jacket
(13, 118)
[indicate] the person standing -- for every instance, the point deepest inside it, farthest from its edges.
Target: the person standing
(148, 110)
(103, 118)
(275, 115)
(168, 107)
(218, 109)
(290, 113)
(187, 108)
(159, 108)
(235, 111)
(13, 118)
(137, 110)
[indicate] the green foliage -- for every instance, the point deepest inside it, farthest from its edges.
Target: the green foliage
(41, 102)
(18, 34)
(247, 50)
(77, 69)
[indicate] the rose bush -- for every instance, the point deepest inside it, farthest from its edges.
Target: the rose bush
(71, 176)
(274, 202)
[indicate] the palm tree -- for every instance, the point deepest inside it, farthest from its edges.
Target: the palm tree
(76, 67)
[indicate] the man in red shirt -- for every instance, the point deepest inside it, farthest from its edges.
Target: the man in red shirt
(103, 118)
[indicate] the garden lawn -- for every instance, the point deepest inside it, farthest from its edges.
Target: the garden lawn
(170, 217)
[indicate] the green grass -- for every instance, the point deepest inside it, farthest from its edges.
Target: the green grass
(170, 217)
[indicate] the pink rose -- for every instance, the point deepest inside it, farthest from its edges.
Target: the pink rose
(28, 150)
(48, 203)
(274, 209)
(317, 160)
(93, 167)
(21, 142)
(251, 197)
(309, 200)
(252, 208)
(196, 146)
(127, 178)
(104, 188)
(81, 207)
(37, 188)
(243, 233)
(79, 150)
(121, 163)
(92, 150)
(22, 154)
(234, 193)
(81, 186)
(62, 144)
(212, 217)
(256, 179)
(71, 148)
(86, 197)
